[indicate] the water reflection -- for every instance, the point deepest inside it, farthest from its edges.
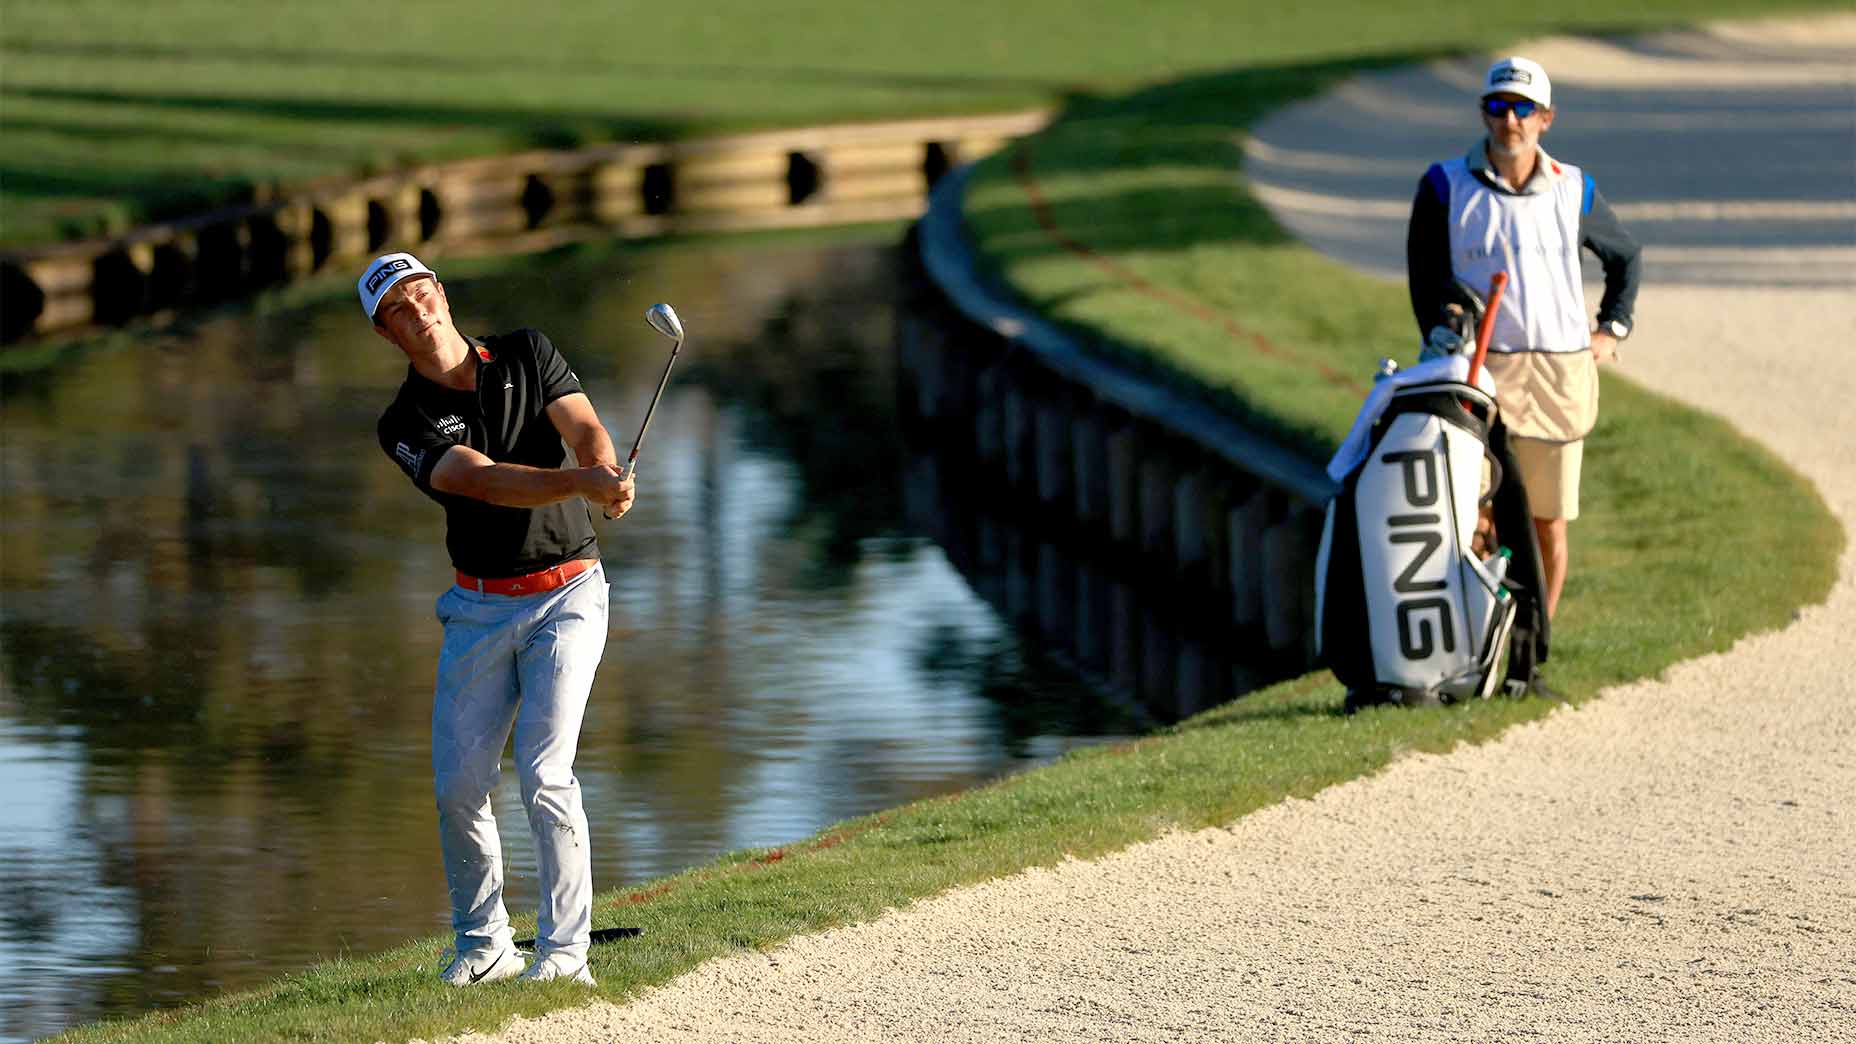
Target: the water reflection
(1130, 634)
(216, 632)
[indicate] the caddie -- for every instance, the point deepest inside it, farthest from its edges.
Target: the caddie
(481, 425)
(1508, 206)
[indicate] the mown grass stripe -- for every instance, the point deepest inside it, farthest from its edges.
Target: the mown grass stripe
(1020, 159)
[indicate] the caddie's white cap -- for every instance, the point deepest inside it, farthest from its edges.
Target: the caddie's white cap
(1518, 75)
(380, 276)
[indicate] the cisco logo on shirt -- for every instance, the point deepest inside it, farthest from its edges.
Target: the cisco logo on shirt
(452, 425)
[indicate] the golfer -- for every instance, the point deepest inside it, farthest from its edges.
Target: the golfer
(479, 427)
(1508, 206)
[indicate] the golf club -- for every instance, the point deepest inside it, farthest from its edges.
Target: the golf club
(664, 320)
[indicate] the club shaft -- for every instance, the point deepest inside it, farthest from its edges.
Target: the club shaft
(631, 462)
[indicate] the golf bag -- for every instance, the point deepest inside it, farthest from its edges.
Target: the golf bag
(1405, 609)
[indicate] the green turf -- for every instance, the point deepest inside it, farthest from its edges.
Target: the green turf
(117, 111)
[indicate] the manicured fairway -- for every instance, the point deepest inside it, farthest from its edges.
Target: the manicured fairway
(115, 112)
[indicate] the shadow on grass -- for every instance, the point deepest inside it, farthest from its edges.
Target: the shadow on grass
(136, 195)
(553, 128)
(1313, 697)
(1174, 151)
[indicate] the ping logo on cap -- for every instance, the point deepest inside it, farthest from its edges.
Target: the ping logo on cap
(382, 273)
(1518, 75)
(379, 276)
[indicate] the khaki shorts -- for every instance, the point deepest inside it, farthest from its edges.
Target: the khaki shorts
(1550, 474)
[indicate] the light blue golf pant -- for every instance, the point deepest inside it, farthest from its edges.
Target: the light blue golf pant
(526, 661)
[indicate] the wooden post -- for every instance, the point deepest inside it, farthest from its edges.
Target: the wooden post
(1092, 619)
(346, 218)
(1052, 447)
(1158, 661)
(1124, 512)
(1015, 428)
(989, 415)
(1288, 579)
(1056, 583)
(1089, 466)
(1156, 528)
(1124, 625)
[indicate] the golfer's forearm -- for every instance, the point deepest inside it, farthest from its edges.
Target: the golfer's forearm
(515, 485)
(593, 446)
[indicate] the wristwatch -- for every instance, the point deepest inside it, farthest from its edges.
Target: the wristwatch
(1617, 328)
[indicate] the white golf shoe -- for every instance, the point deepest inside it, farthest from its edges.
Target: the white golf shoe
(559, 966)
(474, 966)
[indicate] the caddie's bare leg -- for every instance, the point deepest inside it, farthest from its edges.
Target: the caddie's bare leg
(1553, 558)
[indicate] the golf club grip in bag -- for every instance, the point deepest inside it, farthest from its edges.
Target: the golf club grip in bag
(1405, 610)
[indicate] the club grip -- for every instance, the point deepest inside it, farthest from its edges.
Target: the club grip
(1487, 327)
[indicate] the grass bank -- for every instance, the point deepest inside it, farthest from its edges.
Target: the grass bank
(1649, 591)
(117, 112)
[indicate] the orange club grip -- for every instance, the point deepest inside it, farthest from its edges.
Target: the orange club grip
(1486, 328)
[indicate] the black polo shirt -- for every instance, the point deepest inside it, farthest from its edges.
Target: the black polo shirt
(505, 419)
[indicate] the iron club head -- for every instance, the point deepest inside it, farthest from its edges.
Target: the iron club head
(663, 319)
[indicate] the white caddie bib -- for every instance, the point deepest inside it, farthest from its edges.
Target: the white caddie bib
(1534, 237)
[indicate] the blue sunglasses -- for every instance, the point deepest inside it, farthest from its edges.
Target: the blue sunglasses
(1496, 108)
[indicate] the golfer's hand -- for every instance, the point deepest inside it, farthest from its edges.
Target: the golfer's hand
(1604, 348)
(608, 486)
(622, 503)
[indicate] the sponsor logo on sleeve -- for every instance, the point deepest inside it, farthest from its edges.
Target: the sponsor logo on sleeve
(451, 424)
(409, 458)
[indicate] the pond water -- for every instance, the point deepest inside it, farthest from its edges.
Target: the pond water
(217, 635)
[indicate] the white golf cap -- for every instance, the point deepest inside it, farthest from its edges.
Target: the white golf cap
(1517, 75)
(380, 276)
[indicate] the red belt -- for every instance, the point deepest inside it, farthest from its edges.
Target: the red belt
(529, 583)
